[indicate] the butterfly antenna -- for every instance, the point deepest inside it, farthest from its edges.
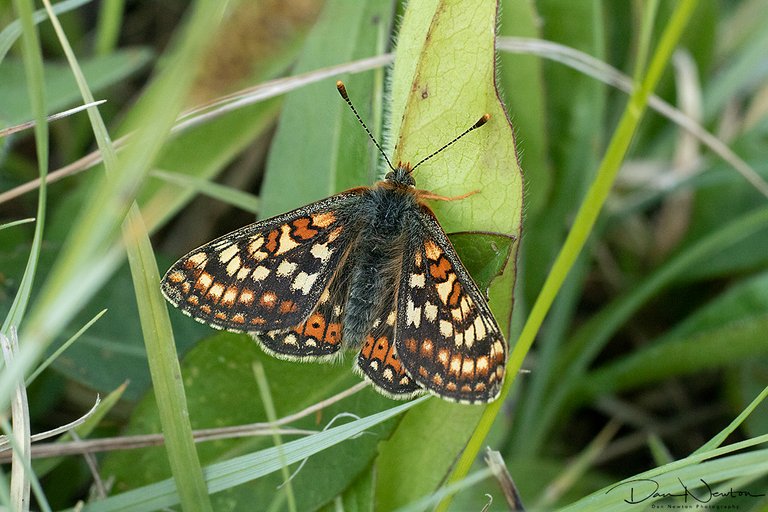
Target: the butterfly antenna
(480, 122)
(343, 91)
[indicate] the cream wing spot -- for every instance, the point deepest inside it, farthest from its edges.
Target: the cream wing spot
(323, 219)
(268, 299)
(444, 289)
(469, 336)
(243, 273)
(446, 328)
(417, 281)
(479, 326)
(286, 242)
(253, 248)
(198, 259)
(229, 296)
(430, 311)
(176, 276)
(321, 252)
(204, 281)
(260, 273)
(497, 350)
(304, 282)
(413, 314)
(246, 297)
(228, 253)
(286, 268)
(455, 367)
(468, 367)
(432, 251)
(216, 291)
(465, 305)
(234, 265)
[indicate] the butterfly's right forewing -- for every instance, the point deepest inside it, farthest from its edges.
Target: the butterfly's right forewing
(446, 336)
(266, 276)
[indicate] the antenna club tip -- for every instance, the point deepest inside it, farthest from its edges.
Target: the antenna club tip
(340, 86)
(480, 122)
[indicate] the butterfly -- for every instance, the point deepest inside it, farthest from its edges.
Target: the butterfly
(369, 269)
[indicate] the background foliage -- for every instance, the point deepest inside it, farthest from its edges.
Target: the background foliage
(655, 344)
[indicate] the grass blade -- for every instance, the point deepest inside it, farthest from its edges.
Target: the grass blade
(583, 223)
(245, 468)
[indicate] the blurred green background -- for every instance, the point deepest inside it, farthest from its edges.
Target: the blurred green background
(657, 340)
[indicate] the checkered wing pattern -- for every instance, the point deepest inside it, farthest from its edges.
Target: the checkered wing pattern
(447, 337)
(267, 276)
(379, 363)
(319, 336)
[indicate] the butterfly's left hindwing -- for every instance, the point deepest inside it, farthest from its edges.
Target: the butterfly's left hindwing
(319, 336)
(266, 276)
(447, 338)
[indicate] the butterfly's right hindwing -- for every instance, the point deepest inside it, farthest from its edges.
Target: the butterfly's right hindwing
(379, 363)
(446, 336)
(266, 276)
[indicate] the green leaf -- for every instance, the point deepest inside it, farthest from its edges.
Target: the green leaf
(221, 391)
(60, 87)
(485, 255)
(522, 82)
(443, 82)
(427, 442)
(435, 98)
(358, 497)
(112, 350)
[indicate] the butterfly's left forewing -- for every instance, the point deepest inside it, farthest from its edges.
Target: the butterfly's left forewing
(447, 337)
(266, 276)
